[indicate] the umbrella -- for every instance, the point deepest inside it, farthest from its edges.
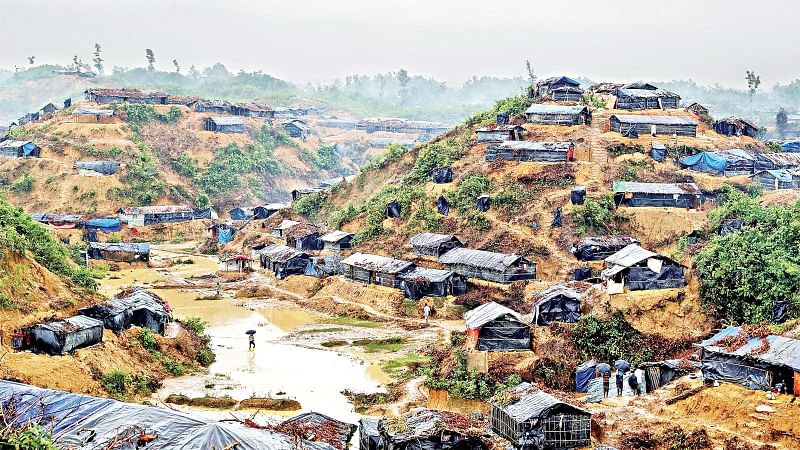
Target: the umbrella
(622, 365)
(604, 368)
(250, 332)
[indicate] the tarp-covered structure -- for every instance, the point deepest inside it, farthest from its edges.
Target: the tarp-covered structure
(284, 226)
(323, 266)
(136, 307)
(96, 168)
(489, 266)
(673, 195)
(369, 438)
(441, 175)
(535, 420)
(531, 151)
(736, 126)
(559, 303)
(393, 210)
(772, 180)
(724, 358)
(585, 373)
(634, 125)
(421, 282)
(317, 427)
(776, 160)
(65, 336)
(558, 115)
(60, 221)
(69, 416)
(151, 215)
(266, 210)
(303, 236)
(660, 373)
(375, 269)
(337, 240)
(493, 327)
(640, 269)
(658, 151)
(598, 248)
(281, 260)
(19, 149)
(500, 133)
(105, 225)
(727, 162)
(428, 429)
(433, 244)
(241, 213)
(120, 252)
(639, 99)
(224, 124)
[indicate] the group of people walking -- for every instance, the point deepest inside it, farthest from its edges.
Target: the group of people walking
(624, 374)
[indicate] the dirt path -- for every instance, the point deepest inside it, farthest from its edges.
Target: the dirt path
(411, 396)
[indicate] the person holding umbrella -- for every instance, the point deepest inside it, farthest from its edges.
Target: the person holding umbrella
(604, 370)
(622, 367)
(251, 336)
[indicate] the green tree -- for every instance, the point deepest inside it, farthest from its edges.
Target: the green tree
(403, 79)
(31, 59)
(177, 66)
(753, 82)
(782, 121)
(98, 60)
(531, 79)
(151, 59)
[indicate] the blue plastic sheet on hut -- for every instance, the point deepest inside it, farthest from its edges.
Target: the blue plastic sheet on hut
(705, 162)
(584, 374)
(658, 151)
(792, 147)
(101, 167)
(393, 210)
(104, 225)
(224, 235)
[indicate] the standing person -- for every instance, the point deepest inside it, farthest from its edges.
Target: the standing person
(426, 311)
(218, 288)
(606, 381)
(633, 382)
(252, 338)
(620, 382)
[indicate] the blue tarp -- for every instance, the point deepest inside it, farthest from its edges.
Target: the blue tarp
(224, 235)
(793, 146)
(584, 374)
(101, 167)
(705, 162)
(104, 225)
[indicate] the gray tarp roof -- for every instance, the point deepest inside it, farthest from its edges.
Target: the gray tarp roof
(479, 258)
(533, 403)
(539, 108)
(68, 415)
(165, 209)
(486, 313)
(335, 236)
(656, 120)
(655, 188)
(629, 256)
(653, 93)
(104, 167)
(782, 351)
(376, 263)
(13, 144)
(572, 289)
(286, 224)
(140, 247)
(92, 112)
(532, 145)
(432, 275)
(279, 253)
(71, 324)
(606, 241)
(431, 239)
(223, 121)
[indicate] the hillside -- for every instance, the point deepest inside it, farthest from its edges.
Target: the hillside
(165, 158)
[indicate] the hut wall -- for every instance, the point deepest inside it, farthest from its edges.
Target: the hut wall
(561, 96)
(639, 103)
(646, 128)
(494, 152)
(511, 274)
(660, 200)
(769, 182)
(556, 119)
(494, 136)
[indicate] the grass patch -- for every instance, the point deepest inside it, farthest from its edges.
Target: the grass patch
(331, 344)
(405, 363)
(352, 322)
(391, 344)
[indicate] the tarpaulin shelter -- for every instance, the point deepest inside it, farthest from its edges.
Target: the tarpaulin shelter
(658, 151)
(776, 160)
(577, 195)
(421, 282)
(393, 210)
(433, 244)
(750, 365)
(222, 232)
(585, 373)
(281, 260)
(638, 99)
(374, 269)
(265, 211)
(660, 373)
(136, 307)
(707, 162)
(653, 125)
(428, 429)
(442, 175)
(730, 226)
(60, 221)
(727, 162)
(204, 213)
(500, 132)
(772, 180)
(640, 269)
(69, 416)
(493, 327)
(337, 240)
(535, 420)
(224, 124)
(19, 149)
(107, 225)
(442, 207)
(317, 427)
(791, 146)
(323, 266)
(483, 203)
(151, 215)
(119, 251)
(235, 263)
(558, 115)
(557, 218)
(559, 88)
(736, 126)
(582, 273)
(597, 248)
(559, 303)
(96, 168)
(531, 151)
(369, 438)
(284, 226)
(489, 266)
(304, 236)
(675, 195)
(89, 115)
(241, 213)
(65, 336)
(297, 194)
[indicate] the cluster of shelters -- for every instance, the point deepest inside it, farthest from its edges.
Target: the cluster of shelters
(500, 133)
(69, 416)
(72, 221)
(638, 96)
(281, 260)
(256, 212)
(133, 307)
(152, 215)
(598, 248)
(42, 113)
(104, 96)
(299, 193)
(398, 125)
(770, 170)
(93, 115)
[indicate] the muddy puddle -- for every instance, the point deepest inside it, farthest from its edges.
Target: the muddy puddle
(277, 369)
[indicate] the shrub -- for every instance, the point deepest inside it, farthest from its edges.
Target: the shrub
(464, 196)
(393, 152)
(610, 340)
(117, 383)
(340, 217)
(148, 339)
(512, 198)
(204, 357)
(310, 205)
(195, 324)
(31, 437)
(186, 165)
(597, 216)
(23, 183)
(426, 218)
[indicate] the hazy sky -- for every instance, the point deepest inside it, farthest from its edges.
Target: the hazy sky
(709, 41)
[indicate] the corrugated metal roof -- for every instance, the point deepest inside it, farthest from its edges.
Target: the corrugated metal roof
(135, 247)
(226, 121)
(335, 236)
(736, 153)
(286, 224)
(301, 230)
(432, 275)
(606, 241)
(533, 403)
(539, 108)
(655, 120)
(534, 145)
(479, 258)
(376, 263)
(279, 253)
(782, 175)
(431, 239)
(782, 351)
(781, 158)
(572, 289)
(486, 313)
(655, 188)
(166, 209)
